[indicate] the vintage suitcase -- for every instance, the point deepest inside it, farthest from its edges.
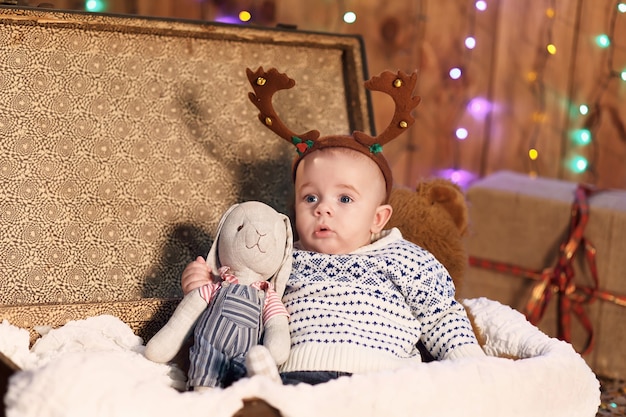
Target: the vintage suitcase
(124, 139)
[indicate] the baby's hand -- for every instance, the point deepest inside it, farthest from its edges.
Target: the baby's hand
(195, 275)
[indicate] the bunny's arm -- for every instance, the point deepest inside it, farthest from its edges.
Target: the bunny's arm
(277, 339)
(164, 345)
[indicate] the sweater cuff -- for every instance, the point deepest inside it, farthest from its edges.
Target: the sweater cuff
(466, 351)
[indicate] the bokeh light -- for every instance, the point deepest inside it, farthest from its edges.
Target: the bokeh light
(95, 5)
(461, 133)
(479, 107)
(245, 16)
(455, 73)
(578, 164)
(603, 41)
(349, 17)
(581, 136)
(470, 42)
(481, 5)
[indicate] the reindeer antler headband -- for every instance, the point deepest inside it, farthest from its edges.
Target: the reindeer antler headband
(399, 86)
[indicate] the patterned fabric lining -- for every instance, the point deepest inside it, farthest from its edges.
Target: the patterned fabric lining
(124, 140)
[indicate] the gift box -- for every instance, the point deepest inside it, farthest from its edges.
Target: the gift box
(554, 250)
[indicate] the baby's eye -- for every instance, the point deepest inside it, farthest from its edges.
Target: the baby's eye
(310, 198)
(345, 199)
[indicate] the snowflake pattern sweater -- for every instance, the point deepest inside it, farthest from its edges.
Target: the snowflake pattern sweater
(367, 310)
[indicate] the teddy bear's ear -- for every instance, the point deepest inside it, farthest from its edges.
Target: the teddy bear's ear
(443, 194)
(451, 197)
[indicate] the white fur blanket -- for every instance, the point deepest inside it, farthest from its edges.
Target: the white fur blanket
(95, 368)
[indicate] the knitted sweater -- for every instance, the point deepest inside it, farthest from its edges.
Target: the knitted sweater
(366, 311)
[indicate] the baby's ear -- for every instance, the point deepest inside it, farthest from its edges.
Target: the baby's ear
(382, 216)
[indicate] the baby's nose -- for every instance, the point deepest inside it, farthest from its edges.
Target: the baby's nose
(323, 208)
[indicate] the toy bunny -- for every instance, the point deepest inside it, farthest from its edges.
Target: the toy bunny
(253, 245)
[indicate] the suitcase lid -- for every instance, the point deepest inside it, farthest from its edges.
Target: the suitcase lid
(126, 138)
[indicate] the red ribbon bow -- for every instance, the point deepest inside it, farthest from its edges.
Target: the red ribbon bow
(559, 279)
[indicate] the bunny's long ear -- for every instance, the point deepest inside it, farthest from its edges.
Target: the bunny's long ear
(279, 279)
(212, 258)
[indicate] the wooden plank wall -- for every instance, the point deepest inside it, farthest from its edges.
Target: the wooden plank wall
(533, 95)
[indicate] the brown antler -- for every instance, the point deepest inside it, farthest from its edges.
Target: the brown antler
(265, 84)
(400, 87)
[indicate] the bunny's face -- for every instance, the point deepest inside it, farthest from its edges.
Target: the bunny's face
(252, 242)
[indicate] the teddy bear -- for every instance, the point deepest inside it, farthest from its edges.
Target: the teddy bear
(435, 216)
(252, 253)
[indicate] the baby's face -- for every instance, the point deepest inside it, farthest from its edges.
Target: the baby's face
(338, 195)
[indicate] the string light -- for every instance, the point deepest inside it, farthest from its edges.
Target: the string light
(603, 41)
(584, 136)
(455, 73)
(462, 133)
(245, 16)
(582, 118)
(538, 89)
(460, 177)
(95, 5)
(579, 164)
(475, 107)
(479, 107)
(349, 17)
(581, 136)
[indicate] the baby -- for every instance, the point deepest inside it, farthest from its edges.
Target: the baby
(359, 297)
